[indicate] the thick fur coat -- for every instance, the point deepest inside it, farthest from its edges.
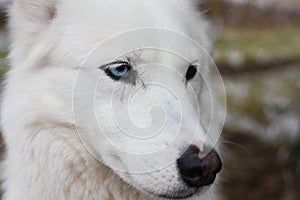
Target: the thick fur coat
(50, 155)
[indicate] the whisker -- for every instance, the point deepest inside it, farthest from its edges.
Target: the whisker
(238, 145)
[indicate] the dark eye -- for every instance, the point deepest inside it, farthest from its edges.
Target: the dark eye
(118, 70)
(191, 72)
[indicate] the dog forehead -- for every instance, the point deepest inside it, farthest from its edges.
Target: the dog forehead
(119, 28)
(149, 54)
(120, 13)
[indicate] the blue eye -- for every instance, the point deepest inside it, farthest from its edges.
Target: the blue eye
(118, 70)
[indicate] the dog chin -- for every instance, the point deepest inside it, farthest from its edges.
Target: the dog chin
(181, 194)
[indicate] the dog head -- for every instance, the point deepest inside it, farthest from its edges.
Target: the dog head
(134, 76)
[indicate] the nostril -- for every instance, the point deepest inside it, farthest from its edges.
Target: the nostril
(196, 171)
(190, 165)
(213, 161)
(191, 150)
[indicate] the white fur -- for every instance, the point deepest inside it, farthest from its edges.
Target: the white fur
(50, 40)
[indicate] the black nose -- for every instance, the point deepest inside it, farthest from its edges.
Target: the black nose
(196, 171)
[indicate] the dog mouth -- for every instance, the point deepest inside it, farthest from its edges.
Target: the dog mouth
(181, 194)
(177, 196)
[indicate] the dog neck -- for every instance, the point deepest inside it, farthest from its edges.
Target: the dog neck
(53, 164)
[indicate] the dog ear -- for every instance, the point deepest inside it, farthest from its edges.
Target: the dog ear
(32, 15)
(27, 21)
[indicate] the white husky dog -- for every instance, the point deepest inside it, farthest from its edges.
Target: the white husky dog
(101, 101)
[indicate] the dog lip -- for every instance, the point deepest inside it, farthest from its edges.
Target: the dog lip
(176, 196)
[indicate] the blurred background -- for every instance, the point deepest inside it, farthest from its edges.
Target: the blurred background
(257, 50)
